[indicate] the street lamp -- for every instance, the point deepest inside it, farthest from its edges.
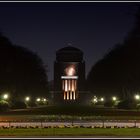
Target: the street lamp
(137, 97)
(102, 99)
(114, 98)
(95, 100)
(27, 99)
(44, 100)
(38, 99)
(5, 96)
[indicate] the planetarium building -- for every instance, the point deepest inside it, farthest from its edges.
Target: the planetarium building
(69, 75)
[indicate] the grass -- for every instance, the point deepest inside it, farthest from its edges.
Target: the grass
(71, 132)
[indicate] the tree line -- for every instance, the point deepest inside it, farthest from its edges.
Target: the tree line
(22, 72)
(118, 72)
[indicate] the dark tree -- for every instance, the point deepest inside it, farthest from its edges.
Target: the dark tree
(118, 73)
(22, 72)
(127, 104)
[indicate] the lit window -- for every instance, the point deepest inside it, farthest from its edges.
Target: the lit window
(70, 71)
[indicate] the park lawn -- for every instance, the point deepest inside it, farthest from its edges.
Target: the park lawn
(71, 132)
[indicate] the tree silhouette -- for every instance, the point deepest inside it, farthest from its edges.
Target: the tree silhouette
(118, 73)
(22, 72)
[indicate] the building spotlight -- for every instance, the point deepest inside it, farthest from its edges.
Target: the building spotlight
(5, 96)
(27, 98)
(38, 99)
(114, 98)
(70, 71)
(137, 97)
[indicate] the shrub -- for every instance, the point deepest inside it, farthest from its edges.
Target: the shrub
(4, 106)
(18, 105)
(109, 104)
(31, 104)
(127, 104)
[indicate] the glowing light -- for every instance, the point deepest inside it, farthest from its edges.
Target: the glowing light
(67, 95)
(69, 84)
(71, 95)
(5, 96)
(94, 100)
(27, 98)
(38, 100)
(69, 88)
(70, 71)
(137, 97)
(44, 100)
(74, 95)
(72, 86)
(114, 98)
(64, 95)
(102, 99)
(66, 85)
(69, 77)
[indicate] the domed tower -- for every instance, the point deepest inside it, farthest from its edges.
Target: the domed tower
(69, 74)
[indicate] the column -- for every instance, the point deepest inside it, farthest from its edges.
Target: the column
(69, 84)
(74, 95)
(63, 84)
(67, 95)
(66, 86)
(64, 95)
(72, 85)
(75, 81)
(70, 95)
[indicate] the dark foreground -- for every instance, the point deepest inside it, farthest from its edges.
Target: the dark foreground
(73, 110)
(74, 132)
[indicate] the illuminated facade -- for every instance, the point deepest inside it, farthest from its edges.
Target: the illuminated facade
(69, 75)
(69, 83)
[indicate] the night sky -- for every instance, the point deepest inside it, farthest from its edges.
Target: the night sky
(46, 27)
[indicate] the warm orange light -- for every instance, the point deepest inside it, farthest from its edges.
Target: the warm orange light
(66, 85)
(74, 95)
(69, 83)
(71, 95)
(72, 85)
(67, 95)
(70, 71)
(64, 95)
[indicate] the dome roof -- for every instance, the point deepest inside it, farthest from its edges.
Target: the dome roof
(68, 54)
(68, 49)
